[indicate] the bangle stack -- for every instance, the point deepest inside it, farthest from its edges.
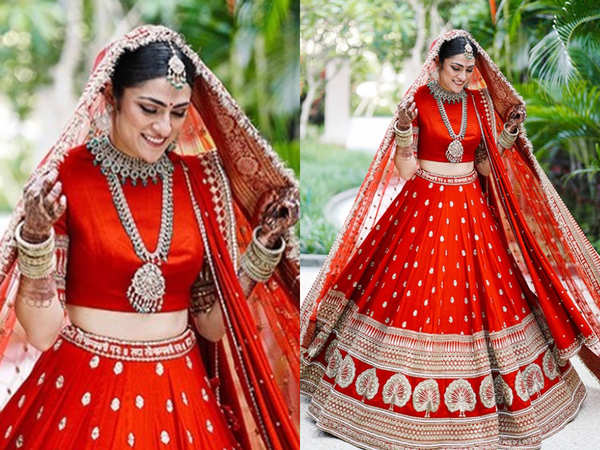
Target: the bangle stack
(36, 261)
(506, 138)
(258, 261)
(404, 138)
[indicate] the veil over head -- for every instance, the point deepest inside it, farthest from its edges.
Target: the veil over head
(549, 247)
(257, 363)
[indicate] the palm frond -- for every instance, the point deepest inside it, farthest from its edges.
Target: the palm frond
(551, 60)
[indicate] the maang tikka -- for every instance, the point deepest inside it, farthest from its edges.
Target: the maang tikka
(176, 71)
(469, 52)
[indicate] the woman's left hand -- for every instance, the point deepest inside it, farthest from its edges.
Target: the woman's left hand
(277, 210)
(515, 117)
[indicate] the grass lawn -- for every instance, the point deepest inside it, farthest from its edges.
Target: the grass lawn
(326, 170)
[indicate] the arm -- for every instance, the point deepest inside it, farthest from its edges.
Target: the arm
(278, 211)
(37, 306)
(205, 307)
(404, 158)
(515, 117)
(482, 163)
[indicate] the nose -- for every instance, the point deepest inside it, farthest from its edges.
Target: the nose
(162, 126)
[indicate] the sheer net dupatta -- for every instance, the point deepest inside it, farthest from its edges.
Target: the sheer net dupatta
(553, 253)
(230, 166)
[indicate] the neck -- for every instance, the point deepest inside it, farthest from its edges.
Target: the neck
(446, 88)
(113, 137)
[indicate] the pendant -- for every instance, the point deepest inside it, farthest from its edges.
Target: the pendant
(145, 293)
(454, 153)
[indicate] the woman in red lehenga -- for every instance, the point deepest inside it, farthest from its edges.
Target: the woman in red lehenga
(130, 229)
(449, 305)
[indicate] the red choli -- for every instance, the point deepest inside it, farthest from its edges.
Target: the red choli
(433, 134)
(101, 259)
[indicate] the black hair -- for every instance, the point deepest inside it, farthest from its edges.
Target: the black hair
(455, 46)
(146, 63)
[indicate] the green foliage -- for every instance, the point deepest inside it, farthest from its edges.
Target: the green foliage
(30, 39)
(14, 170)
(327, 170)
(254, 52)
(367, 33)
(551, 58)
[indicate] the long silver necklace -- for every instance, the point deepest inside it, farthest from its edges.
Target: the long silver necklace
(147, 287)
(454, 152)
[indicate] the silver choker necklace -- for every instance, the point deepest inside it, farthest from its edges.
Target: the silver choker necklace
(114, 161)
(147, 287)
(444, 95)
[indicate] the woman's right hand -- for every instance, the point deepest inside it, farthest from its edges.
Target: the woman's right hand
(43, 205)
(407, 112)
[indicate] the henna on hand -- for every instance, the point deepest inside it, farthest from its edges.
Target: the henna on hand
(480, 154)
(203, 292)
(515, 117)
(43, 204)
(407, 112)
(38, 293)
(278, 211)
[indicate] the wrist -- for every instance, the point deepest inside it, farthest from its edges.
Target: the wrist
(268, 239)
(34, 236)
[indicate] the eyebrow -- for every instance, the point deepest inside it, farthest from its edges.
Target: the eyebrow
(459, 64)
(158, 102)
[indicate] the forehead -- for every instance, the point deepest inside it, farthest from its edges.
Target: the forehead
(460, 59)
(160, 89)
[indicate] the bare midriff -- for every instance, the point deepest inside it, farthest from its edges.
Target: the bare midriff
(446, 169)
(128, 325)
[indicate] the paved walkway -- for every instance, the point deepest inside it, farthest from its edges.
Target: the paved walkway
(583, 433)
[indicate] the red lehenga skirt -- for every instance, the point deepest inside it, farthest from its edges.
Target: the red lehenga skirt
(94, 392)
(439, 344)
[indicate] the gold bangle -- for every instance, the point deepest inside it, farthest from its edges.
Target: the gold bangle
(398, 132)
(35, 261)
(258, 261)
(506, 139)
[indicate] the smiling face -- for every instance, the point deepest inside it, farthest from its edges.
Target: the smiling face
(148, 117)
(456, 72)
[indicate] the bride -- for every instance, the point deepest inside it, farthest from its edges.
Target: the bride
(457, 291)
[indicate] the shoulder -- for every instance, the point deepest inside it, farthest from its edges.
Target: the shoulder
(478, 94)
(192, 162)
(76, 160)
(422, 92)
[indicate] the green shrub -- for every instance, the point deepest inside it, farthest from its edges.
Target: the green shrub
(326, 171)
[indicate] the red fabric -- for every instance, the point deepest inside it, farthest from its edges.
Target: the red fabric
(435, 276)
(165, 403)
(543, 254)
(433, 134)
(90, 209)
(255, 376)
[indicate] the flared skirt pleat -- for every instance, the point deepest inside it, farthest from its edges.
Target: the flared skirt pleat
(91, 392)
(440, 344)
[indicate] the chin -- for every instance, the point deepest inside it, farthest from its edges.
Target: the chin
(149, 153)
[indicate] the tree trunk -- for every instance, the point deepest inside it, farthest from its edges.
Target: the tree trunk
(312, 82)
(56, 103)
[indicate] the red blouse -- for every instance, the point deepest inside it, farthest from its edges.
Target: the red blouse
(101, 258)
(433, 134)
